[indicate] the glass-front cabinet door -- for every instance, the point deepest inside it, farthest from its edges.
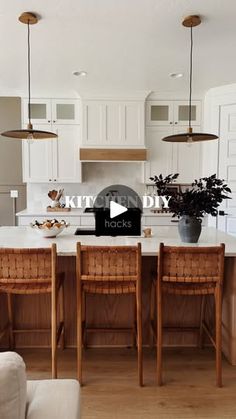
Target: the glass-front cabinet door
(160, 113)
(172, 113)
(65, 111)
(181, 113)
(40, 111)
(52, 111)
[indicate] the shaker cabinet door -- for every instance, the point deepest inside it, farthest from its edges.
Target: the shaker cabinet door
(37, 159)
(187, 159)
(113, 123)
(133, 123)
(66, 163)
(93, 123)
(160, 153)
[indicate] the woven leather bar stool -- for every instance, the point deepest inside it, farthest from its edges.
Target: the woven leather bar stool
(33, 271)
(192, 271)
(108, 270)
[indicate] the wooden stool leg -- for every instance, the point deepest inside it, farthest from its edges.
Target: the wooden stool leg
(139, 333)
(62, 314)
(79, 334)
(84, 332)
(54, 333)
(218, 317)
(151, 320)
(202, 317)
(10, 318)
(159, 336)
(135, 324)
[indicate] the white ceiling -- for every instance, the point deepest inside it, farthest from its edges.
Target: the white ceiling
(122, 44)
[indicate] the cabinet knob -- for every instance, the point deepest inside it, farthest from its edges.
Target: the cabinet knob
(223, 213)
(50, 180)
(176, 123)
(49, 122)
(54, 121)
(54, 180)
(171, 122)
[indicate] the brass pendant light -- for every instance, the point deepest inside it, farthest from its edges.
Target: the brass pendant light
(30, 133)
(190, 136)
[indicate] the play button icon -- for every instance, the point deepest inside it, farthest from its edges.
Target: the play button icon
(116, 209)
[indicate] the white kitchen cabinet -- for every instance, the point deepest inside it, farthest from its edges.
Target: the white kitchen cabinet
(172, 112)
(159, 113)
(37, 159)
(93, 121)
(181, 113)
(110, 123)
(168, 117)
(163, 220)
(83, 221)
(52, 111)
(187, 160)
(166, 157)
(160, 154)
(87, 221)
(26, 220)
(158, 220)
(53, 160)
(65, 154)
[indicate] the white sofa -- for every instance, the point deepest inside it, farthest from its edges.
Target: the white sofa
(43, 399)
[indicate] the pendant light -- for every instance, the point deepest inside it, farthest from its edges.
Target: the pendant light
(30, 133)
(190, 136)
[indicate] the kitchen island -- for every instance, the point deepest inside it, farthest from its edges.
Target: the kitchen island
(119, 311)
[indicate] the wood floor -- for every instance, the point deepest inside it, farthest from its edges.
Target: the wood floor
(111, 390)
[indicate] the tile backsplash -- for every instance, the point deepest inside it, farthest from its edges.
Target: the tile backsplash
(96, 176)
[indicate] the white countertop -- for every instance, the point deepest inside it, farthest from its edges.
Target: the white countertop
(28, 212)
(74, 213)
(66, 242)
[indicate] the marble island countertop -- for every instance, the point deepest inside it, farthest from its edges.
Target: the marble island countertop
(66, 242)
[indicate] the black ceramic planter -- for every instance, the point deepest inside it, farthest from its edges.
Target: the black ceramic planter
(189, 229)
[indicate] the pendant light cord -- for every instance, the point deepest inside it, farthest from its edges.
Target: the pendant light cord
(29, 80)
(190, 77)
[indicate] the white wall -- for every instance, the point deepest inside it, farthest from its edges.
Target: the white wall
(10, 150)
(10, 160)
(96, 176)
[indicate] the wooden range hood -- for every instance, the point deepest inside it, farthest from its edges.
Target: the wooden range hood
(113, 154)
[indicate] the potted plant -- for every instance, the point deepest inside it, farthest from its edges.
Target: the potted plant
(203, 197)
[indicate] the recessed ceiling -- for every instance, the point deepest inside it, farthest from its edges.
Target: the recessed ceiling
(121, 44)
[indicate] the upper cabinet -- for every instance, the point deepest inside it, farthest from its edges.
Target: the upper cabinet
(53, 160)
(175, 112)
(166, 157)
(113, 123)
(53, 111)
(164, 118)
